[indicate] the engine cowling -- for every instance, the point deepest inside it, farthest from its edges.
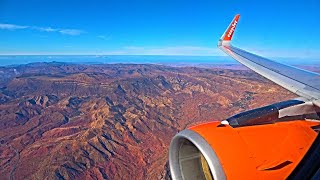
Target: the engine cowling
(270, 150)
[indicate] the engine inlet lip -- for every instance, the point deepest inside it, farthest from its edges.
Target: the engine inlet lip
(202, 145)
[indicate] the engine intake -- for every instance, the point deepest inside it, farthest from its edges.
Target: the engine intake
(191, 157)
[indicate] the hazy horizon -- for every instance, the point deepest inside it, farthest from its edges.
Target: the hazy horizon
(7, 60)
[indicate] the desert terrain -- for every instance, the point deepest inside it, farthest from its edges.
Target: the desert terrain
(77, 121)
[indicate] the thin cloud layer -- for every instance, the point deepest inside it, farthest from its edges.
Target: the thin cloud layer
(12, 26)
(71, 32)
(104, 37)
(46, 29)
(176, 50)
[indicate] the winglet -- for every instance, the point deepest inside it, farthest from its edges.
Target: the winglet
(227, 35)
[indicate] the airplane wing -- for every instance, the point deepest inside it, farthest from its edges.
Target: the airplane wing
(278, 141)
(301, 82)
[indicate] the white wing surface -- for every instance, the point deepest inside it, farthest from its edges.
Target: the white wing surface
(301, 82)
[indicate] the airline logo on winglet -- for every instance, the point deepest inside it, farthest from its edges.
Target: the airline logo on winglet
(232, 27)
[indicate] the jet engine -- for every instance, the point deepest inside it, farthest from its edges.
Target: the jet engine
(264, 143)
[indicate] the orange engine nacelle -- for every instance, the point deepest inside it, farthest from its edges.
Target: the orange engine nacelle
(217, 151)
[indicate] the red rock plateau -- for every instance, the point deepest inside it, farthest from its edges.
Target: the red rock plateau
(71, 121)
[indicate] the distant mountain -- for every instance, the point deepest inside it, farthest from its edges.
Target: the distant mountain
(73, 121)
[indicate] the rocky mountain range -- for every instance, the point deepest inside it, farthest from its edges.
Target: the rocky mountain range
(77, 121)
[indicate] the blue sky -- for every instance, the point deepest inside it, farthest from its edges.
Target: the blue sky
(158, 27)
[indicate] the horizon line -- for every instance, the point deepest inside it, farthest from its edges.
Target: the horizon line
(112, 55)
(181, 55)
